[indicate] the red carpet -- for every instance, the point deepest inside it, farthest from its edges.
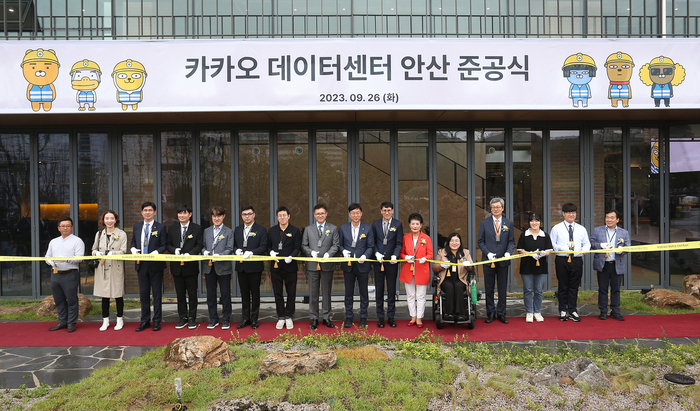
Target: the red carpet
(17, 334)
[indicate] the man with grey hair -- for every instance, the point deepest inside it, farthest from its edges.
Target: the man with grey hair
(496, 239)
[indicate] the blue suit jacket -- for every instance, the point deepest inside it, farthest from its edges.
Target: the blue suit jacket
(487, 239)
(364, 245)
(600, 235)
(393, 238)
(158, 241)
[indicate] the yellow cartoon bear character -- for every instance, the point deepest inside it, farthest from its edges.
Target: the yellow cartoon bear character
(619, 68)
(85, 78)
(40, 69)
(662, 74)
(129, 78)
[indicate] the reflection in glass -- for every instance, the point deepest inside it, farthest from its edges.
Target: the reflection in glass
(375, 172)
(15, 215)
(607, 169)
(684, 199)
(254, 173)
(137, 187)
(644, 214)
(93, 192)
(452, 201)
(215, 175)
(332, 174)
(54, 194)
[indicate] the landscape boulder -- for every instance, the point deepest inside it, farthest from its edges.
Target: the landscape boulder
(691, 285)
(194, 353)
(577, 370)
(290, 363)
(48, 306)
(670, 299)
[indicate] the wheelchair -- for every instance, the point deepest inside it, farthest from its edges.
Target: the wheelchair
(470, 295)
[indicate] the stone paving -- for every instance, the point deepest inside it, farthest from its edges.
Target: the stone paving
(34, 366)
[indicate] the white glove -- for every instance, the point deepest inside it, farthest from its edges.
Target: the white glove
(205, 252)
(97, 253)
(186, 254)
(379, 257)
(466, 263)
(506, 255)
(135, 250)
(288, 260)
(422, 260)
(543, 254)
(362, 259)
(326, 255)
(273, 254)
(247, 254)
(536, 256)
(239, 252)
(393, 259)
(177, 251)
(606, 246)
(154, 252)
(314, 254)
(445, 266)
(51, 263)
(109, 253)
(346, 253)
(215, 255)
(491, 256)
(409, 258)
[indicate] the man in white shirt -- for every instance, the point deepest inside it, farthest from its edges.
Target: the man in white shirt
(65, 277)
(569, 236)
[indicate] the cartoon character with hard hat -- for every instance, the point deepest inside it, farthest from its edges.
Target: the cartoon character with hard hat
(40, 69)
(129, 78)
(662, 74)
(85, 78)
(579, 69)
(619, 68)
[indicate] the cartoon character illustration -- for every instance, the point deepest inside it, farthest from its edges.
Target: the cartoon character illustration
(40, 69)
(579, 69)
(662, 74)
(85, 78)
(619, 68)
(655, 158)
(129, 78)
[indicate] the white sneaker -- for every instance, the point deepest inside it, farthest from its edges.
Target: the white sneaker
(290, 323)
(280, 324)
(120, 324)
(528, 318)
(538, 317)
(105, 324)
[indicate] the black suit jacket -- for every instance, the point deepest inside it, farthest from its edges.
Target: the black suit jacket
(394, 238)
(487, 239)
(364, 245)
(193, 245)
(291, 246)
(159, 238)
(257, 243)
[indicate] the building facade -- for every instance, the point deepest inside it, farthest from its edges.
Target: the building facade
(445, 161)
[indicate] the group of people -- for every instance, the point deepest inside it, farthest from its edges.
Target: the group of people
(383, 241)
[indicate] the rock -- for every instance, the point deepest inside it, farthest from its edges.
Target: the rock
(579, 369)
(198, 352)
(670, 299)
(691, 285)
(48, 306)
(290, 363)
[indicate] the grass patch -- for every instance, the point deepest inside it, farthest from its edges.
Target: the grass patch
(18, 309)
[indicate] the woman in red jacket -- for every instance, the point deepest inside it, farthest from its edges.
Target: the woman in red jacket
(416, 274)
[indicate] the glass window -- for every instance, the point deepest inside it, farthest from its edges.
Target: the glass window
(293, 171)
(15, 215)
(607, 173)
(254, 173)
(453, 204)
(54, 194)
(332, 174)
(414, 192)
(176, 173)
(375, 171)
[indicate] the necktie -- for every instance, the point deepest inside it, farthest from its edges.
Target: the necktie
(182, 240)
(320, 231)
(146, 236)
(386, 227)
(571, 232)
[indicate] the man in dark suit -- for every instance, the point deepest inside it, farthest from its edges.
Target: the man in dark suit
(218, 240)
(149, 237)
(284, 241)
(610, 267)
(320, 240)
(496, 240)
(249, 238)
(185, 238)
(356, 240)
(388, 237)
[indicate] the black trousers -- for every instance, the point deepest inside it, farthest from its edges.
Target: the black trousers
(569, 278)
(455, 303)
(362, 281)
(64, 288)
(280, 280)
(150, 280)
(389, 274)
(609, 278)
(224, 282)
(250, 295)
(186, 286)
(491, 276)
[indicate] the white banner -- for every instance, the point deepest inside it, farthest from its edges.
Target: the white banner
(349, 74)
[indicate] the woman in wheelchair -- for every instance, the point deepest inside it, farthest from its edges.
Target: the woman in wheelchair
(453, 279)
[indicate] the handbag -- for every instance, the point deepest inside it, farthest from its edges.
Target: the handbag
(94, 263)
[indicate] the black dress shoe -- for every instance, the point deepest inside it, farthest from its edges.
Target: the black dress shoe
(448, 317)
(254, 325)
(363, 322)
(70, 328)
(347, 323)
(156, 325)
(461, 318)
(243, 324)
(617, 316)
(603, 316)
(58, 327)
(328, 323)
(143, 326)
(502, 318)
(490, 318)
(380, 323)
(314, 324)
(391, 322)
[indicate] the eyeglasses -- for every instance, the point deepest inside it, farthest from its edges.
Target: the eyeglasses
(247, 214)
